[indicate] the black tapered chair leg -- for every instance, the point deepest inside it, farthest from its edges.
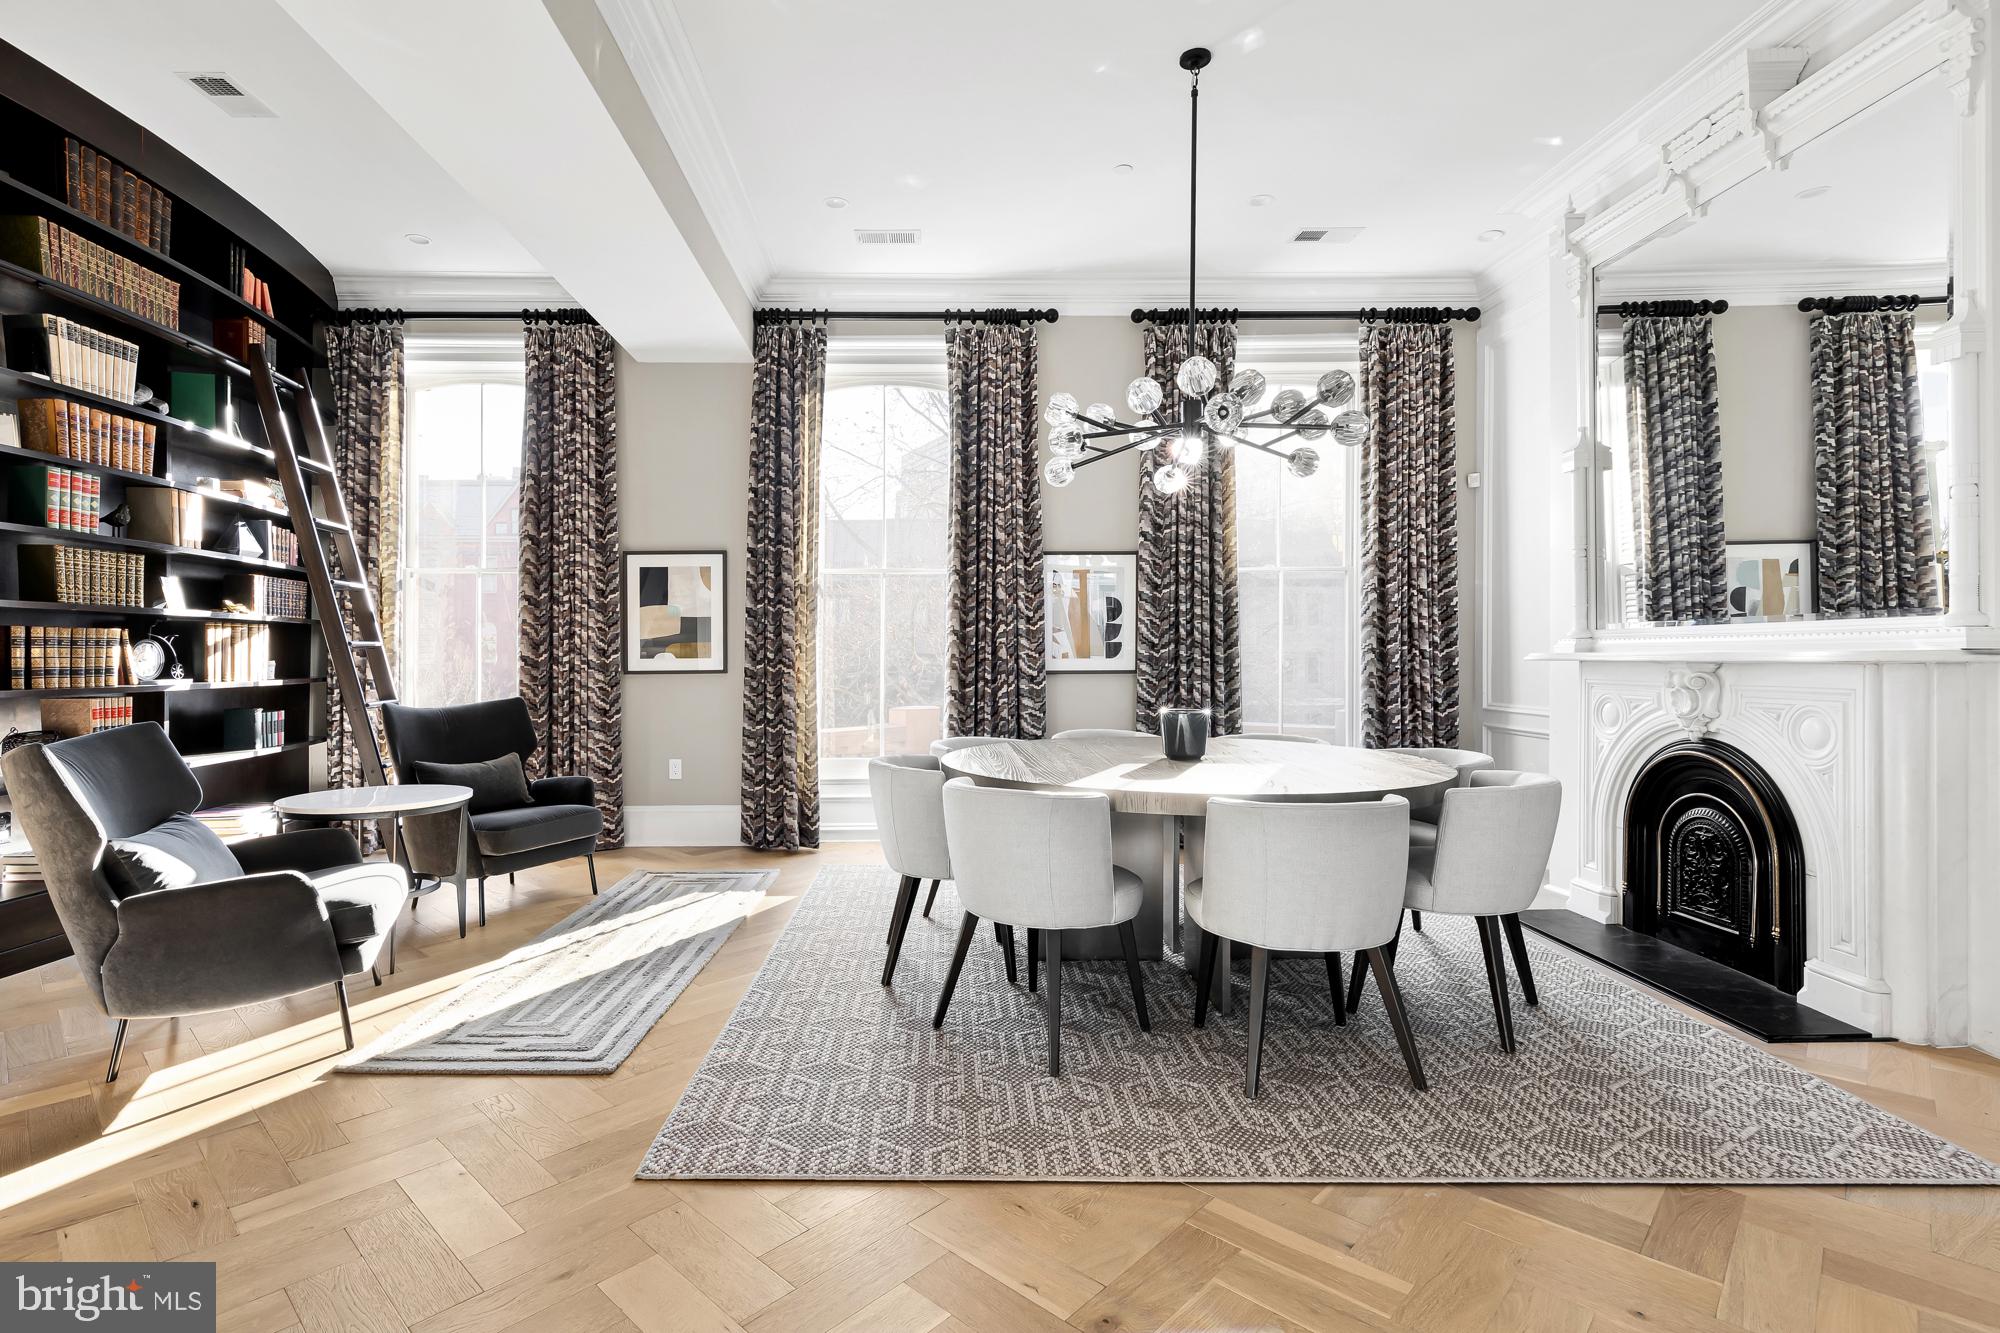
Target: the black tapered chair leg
(461, 911)
(1005, 934)
(1496, 979)
(1034, 956)
(589, 860)
(1204, 978)
(932, 897)
(376, 972)
(1518, 946)
(1392, 1004)
(1052, 998)
(899, 922)
(966, 928)
(482, 902)
(1335, 985)
(117, 1048)
(1128, 940)
(510, 879)
(1361, 973)
(1260, 985)
(1416, 921)
(346, 1024)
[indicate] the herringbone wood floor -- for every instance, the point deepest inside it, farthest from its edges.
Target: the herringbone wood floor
(440, 1204)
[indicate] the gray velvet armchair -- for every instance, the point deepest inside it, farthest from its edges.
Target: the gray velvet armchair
(166, 920)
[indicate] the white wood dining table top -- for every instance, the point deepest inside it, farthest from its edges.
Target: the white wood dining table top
(1138, 777)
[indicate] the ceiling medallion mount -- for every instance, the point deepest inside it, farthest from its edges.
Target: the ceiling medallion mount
(1212, 415)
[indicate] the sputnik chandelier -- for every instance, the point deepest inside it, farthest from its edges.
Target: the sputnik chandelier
(1213, 415)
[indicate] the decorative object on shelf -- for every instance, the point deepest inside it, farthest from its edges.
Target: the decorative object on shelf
(676, 611)
(1088, 600)
(118, 519)
(1770, 580)
(1184, 732)
(1214, 415)
(154, 656)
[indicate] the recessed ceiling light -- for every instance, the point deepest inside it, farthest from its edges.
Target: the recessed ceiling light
(1549, 140)
(416, 238)
(1262, 200)
(1122, 169)
(1492, 234)
(834, 201)
(1813, 192)
(1100, 67)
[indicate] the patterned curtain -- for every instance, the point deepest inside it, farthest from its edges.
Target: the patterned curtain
(1875, 554)
(1409, 537)
(996, 672)
(780, 623)
(1188, 653)
(570, 649)
(1676, 466)
(365, 363)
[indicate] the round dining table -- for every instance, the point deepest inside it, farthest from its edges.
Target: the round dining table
(1158, 804)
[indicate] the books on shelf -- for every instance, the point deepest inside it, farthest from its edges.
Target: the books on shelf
(82, 575)
(74, 355)
(237, 336)
(250, 490)
(166, 515)
(81, 717)
(122, 200)
(87, 434)
(253, 289)
(68, 657)
(54, 497)
(265, 595)
(56, 252)
(253, 728)
(236, 654)
(10, 430)
(284, 547)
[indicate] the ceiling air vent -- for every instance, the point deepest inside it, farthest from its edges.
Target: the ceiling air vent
(1331, 235)
(890, 236)
(220, 89)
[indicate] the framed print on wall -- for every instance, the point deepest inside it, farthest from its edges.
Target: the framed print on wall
(1088, 602)
(676, 611)
(1770, 580)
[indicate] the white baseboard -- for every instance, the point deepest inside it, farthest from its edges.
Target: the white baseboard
(683, 826)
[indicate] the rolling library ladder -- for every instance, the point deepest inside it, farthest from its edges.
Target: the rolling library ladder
(350, 651)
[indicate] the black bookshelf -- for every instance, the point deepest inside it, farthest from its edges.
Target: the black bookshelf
(212, 229)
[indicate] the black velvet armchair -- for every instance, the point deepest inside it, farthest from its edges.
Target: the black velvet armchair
(559, 821)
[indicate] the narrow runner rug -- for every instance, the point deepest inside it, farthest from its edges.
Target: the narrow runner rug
(578, 997)
(824, 1074)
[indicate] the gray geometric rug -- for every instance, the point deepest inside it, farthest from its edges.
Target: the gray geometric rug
(578, 997)
(822, 1073)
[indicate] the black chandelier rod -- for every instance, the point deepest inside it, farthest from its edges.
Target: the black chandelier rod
(1634, 309)
(994, 316)
(1426, 314)
(1850, 305)
(564, 315)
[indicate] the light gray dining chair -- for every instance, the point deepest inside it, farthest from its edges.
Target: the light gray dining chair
(1424, 817)
(1314, 877)
(1039, 859)
(1492, 851)
(1099, 733)
(908, 794)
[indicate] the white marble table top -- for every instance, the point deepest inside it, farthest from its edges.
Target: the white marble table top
(414, 798)
(1138, 777)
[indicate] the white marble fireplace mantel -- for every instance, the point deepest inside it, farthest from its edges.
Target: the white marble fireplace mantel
(1890, 761)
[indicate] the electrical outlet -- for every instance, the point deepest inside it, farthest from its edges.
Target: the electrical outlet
(674, 770)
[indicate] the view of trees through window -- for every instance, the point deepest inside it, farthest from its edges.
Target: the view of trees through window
(460, 612)
(885, 475)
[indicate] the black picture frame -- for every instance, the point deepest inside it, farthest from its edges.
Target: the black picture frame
(633, 664)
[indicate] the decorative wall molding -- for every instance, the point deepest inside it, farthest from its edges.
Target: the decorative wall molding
(1771, 286)
(450, 291)
(1694, 697)
(1074, 295)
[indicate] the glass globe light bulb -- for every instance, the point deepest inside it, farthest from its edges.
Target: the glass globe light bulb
(1189, 449)
(1144, 396)
(1145, 442)
(1311, 423)
(1062, 409)
(1070, 448)
(1350, 429)
(1059, 472)
(1247, 385)
(1223, 413)
(1171, 480)
(1197, 376)
(1101, 412)
(1288, 404)
(1336, 388)
(1303, 462)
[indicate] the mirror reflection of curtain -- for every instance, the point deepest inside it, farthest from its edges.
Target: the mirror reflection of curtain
(1875, 555)
(1675, 438)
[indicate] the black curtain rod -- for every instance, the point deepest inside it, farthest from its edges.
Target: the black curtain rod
(565, 315)
(1844, 305)
(1048, 316)
(1629, 309)
(1413, 314)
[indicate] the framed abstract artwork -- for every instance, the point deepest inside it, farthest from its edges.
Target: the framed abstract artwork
(1770, 580)
(676, 611)
(1089, 599)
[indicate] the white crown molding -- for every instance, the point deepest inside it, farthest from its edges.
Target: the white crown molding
(661, 57)
(471, 292)
(1773, 286)
(1115, 296)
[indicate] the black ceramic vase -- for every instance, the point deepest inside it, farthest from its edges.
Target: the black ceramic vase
(1184, 732)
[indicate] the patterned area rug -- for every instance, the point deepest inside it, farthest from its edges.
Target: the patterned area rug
(824, 1074)
(578, 997)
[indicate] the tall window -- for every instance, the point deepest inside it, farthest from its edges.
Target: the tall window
(1298, 563)
(459, 632)
(885, 471)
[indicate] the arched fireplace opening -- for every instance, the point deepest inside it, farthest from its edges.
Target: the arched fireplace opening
(1713, 861)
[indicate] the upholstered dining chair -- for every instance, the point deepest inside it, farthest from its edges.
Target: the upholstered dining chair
(908, 794)
(164, 918)
(1039, 859)
(1492, 851)
(1424, 817)
(1323, 878)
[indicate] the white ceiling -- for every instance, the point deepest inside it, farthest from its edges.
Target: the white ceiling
(995, 129)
